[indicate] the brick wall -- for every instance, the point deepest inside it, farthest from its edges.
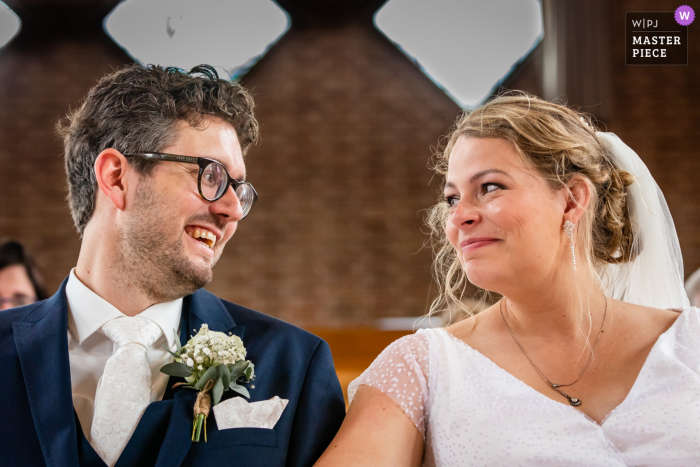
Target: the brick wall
(347, 126)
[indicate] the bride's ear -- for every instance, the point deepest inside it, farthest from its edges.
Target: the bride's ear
(578, 194)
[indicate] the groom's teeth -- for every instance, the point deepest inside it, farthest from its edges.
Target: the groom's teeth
(208, 238)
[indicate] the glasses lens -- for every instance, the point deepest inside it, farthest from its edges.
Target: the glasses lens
(21, 300)
(213, 181)
(246, 196)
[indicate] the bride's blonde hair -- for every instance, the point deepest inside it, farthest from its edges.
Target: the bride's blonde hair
(560, 144)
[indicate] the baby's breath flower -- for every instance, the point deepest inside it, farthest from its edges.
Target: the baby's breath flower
(210, 348)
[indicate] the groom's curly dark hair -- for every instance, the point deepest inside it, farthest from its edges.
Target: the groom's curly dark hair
(136, 109)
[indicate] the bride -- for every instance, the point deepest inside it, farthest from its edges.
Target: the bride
(582, 362)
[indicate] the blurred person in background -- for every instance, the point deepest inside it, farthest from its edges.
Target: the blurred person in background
(154, 159)
(692, 288)
(582, 362)
(20, 280)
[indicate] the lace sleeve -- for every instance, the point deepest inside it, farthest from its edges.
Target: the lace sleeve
(401, 372)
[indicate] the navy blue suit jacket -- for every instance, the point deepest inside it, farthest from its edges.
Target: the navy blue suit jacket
(39, 426)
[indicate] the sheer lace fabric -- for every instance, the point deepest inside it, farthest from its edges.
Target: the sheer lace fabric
(472, 412)
(401, 372)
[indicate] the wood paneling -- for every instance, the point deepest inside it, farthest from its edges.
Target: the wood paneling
(355, 349)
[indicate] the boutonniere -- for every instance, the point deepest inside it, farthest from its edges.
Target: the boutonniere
(213, 362)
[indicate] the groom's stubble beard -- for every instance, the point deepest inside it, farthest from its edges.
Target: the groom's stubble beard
(152, 255)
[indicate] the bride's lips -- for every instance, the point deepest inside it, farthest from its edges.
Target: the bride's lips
(472, 244)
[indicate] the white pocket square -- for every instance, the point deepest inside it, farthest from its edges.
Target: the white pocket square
(239, 413)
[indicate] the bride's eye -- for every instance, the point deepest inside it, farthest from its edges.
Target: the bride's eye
(490, 187)
(452, 201)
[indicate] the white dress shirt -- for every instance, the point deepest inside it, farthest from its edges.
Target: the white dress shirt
(89, 348)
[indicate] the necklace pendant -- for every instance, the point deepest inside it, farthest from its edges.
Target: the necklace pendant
(572, 400)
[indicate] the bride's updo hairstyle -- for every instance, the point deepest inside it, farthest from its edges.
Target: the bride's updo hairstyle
(558, 143)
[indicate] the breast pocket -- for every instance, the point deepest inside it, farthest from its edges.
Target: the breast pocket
(252, 447)
(240, 437)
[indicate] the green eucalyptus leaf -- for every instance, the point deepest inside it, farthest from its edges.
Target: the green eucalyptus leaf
(250, 372)
(177, 341)
(237, 369)
(211, 373)
(240, 390)
(217, 392)
(171, 353)
(176, 369)
(225, 376)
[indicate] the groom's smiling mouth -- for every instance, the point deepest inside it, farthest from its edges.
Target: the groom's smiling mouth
(205, 236)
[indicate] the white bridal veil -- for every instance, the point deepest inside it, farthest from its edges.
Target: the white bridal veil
(655, 277)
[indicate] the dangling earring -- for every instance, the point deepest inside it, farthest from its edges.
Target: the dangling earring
(569, 228)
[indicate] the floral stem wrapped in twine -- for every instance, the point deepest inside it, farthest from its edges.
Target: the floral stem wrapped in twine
(201, 412)
(211, 362)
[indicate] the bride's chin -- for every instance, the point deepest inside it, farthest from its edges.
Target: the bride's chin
(482, 277)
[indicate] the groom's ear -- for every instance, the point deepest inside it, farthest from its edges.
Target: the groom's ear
(111, 168)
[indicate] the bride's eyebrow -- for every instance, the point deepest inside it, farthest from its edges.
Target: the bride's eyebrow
(478, 175)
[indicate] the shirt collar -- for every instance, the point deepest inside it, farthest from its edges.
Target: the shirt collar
(88, 312)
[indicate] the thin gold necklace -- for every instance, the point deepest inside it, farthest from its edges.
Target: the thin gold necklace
(572, 400)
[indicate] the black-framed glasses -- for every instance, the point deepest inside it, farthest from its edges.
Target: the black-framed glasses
(213, 179)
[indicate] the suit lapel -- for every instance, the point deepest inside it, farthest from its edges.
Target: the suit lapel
(205, 307)
(178, 437)
(42, 345)
(197, 309)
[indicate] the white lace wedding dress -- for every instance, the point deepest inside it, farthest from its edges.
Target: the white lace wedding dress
(473, 413)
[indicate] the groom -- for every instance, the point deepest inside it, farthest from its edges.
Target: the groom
(156, 176)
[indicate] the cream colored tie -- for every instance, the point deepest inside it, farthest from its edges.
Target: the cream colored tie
(124, 391)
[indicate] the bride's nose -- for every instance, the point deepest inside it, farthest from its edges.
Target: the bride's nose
(464, 215)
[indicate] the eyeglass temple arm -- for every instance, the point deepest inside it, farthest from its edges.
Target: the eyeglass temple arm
(155, 156)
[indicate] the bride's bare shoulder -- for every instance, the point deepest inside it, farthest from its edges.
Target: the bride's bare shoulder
(654, 320)
(467, 327)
